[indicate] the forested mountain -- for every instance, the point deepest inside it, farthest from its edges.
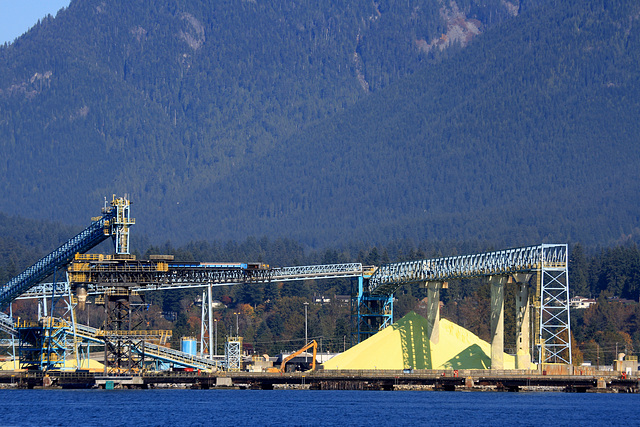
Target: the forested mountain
(370, 131)
(510, 122)
(530, 135)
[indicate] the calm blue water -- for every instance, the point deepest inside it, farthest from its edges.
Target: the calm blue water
(326, 408)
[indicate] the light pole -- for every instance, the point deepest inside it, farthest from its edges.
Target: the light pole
(210, 313)
(215, 322)
(306, 340)
(237, 330)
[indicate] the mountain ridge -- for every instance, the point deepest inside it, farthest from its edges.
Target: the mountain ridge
(249, 134)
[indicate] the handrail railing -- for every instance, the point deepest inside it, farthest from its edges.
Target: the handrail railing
(82, 242)
(390, 277)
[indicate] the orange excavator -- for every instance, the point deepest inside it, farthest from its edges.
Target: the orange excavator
(313, 344)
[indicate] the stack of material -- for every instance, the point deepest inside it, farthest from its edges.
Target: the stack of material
(404, 345)
(90, 365)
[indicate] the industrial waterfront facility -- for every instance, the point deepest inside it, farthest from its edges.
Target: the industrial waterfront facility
(414, 351)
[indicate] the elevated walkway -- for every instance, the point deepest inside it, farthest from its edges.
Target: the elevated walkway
(151, 350)
(388, 278)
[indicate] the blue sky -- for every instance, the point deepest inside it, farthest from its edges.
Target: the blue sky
(17, 16)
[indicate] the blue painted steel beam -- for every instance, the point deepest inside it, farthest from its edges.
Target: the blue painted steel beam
(91, 236)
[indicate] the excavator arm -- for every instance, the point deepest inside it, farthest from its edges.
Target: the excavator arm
(309, 345)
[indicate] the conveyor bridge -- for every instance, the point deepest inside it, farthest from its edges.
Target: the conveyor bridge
(141, 279)
(155, 351)
(152, 275)
(388, 278)
(547, 262)
(113, 222)
(376, 286)
(85, 240)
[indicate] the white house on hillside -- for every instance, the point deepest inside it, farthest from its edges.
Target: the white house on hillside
(581, 302)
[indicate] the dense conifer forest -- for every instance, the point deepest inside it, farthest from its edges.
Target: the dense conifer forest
(329, 122)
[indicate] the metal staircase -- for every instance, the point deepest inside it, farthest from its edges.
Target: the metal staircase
(154, 351)
(6, 324)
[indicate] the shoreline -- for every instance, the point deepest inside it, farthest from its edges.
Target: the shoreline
(424, 380)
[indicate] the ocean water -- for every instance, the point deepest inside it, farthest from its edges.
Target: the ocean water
(301, 408)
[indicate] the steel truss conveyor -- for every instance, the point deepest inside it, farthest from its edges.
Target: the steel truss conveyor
(151, 275)
(113, 222)
(152, 350)
(547, 262)
(388, 278)
(85, 240)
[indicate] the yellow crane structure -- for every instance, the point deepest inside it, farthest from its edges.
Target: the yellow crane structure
(309, 345)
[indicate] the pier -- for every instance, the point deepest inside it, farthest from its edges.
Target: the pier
(390, 380)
